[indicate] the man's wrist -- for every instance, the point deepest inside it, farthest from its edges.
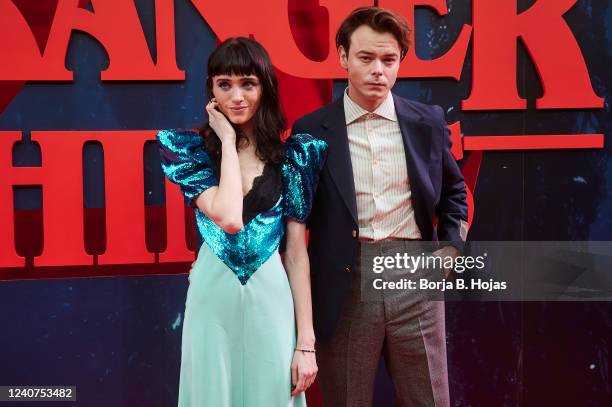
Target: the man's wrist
(455, 244)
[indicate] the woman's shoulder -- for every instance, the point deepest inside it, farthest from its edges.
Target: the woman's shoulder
(184, 143)
(303, 149)
(304, 141)
(304, 158)
(179, 136)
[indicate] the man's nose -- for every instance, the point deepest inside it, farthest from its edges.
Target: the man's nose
(377, 68)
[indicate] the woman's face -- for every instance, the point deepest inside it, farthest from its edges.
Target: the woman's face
(238, 96)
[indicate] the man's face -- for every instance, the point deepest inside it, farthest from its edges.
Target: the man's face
(372, 64)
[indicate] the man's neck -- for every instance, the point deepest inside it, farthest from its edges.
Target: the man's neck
(370, 106)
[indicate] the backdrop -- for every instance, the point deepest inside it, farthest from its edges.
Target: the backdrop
(94, 243)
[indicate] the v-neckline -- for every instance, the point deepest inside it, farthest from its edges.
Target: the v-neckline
(256, 180)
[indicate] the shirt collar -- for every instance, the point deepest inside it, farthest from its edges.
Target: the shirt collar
(352, 111)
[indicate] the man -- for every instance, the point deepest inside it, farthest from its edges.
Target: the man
(389, 173)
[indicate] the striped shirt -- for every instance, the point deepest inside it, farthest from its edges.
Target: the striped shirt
(382, 186)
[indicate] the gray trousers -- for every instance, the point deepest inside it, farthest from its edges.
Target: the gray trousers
(406, 328)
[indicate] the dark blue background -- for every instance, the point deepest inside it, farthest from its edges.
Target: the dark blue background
(118, 339)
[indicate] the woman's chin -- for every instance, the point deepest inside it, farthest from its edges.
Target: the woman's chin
(239, 120)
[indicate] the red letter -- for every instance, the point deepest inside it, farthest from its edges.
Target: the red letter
(61, 177)
(124, 196)
(165, 65)
(20, 54)
(115, 24)
(8, 254)
(551, 46)
(62, 181)
(448, 65)
(176, 248)
(269, 25)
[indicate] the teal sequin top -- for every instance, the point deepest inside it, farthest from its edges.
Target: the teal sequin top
(186, 163)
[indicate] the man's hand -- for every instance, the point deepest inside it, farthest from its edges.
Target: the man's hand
(445, 252)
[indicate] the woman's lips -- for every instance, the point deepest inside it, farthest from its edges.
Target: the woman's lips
(238, 109)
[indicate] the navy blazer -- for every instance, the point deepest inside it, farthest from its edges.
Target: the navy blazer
(436, 183)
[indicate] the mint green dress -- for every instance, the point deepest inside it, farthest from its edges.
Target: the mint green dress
(239, 327)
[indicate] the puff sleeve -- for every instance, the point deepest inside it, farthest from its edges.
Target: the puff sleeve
(185, 162)
(304, 159)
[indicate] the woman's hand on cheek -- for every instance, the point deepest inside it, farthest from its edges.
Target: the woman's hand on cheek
(219, 123)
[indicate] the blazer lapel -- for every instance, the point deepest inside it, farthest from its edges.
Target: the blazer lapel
(339, 158)
(416, 134)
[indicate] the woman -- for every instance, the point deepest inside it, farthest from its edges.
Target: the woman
(239, 335)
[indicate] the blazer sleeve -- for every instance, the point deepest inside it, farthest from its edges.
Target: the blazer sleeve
(452, 207)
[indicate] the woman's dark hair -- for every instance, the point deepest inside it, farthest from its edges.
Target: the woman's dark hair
(245, 56)
(378, 19)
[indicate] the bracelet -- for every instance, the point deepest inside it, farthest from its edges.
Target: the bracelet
(306, 350)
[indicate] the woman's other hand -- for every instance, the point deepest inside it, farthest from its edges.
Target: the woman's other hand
(303, 371)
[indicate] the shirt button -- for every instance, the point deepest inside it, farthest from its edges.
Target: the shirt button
(347, 269)
(354, 233)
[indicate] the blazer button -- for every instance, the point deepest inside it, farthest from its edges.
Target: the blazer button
(354, 233)
(347, 269)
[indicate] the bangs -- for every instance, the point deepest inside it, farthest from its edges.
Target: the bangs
(233, 59)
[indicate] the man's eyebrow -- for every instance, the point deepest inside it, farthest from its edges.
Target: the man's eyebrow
(385, 55)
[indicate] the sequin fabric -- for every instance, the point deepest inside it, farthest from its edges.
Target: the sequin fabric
(304, 158)
(186, 163)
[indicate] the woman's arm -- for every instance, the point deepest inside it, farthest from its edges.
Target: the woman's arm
(223, 204)
(304, 366)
